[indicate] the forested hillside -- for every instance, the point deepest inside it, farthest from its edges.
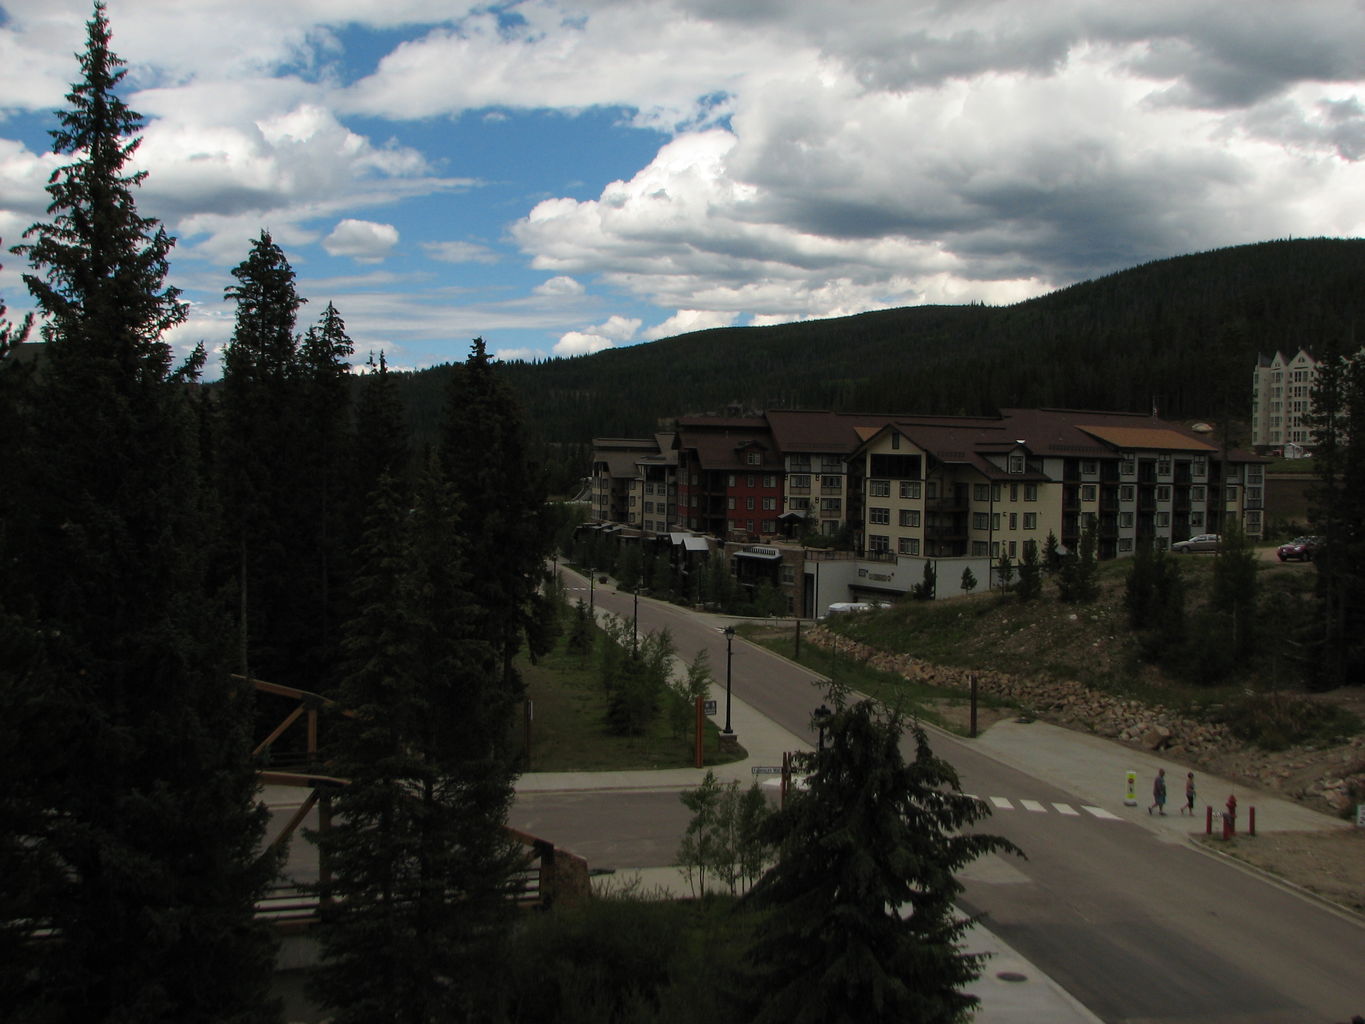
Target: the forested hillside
(1181, 334)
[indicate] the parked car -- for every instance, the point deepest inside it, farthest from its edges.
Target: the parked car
(1200, 542)
(1301, 549)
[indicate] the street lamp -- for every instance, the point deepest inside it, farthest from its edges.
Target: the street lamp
(729, 656)
(635, 622)
(592, 589)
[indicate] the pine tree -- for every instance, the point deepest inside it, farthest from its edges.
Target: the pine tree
(1234, 588)
(860, 921)
(484, 456)
(130, 789)
(422, 870)
(261, 462)
(1030, 584)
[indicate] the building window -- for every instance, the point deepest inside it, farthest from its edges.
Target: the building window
(1254, 522)
(1087, 492)
(910, 489)
(1030, 492)
(1163, 465)
(1163, 519)
(1014, 520)
(1014, 549)
(895, 441)
(981, 492)
(749, 480)
(980, 521)
(769, 480)
(831, 481)
(879, 488)
(1016, 463)
(1089, 467)
(1230, 492)
(748, 504)
(770, 526)
(878, 544)
(909, 546)
(995, 549)
(1126, 492)
(1030, 520)
(1014, 492)
(800, 503)
(879, 516)
(1125, 543)
(754, 459)
(995, 522)
(830, 504)
(1255, 474)
(748, 526)
(979, 548)
(1126, 520)
(1199, 467)
(1127, 463)
(1253, 495)
(730, 480)
(769, 504)
(800, 481)
(730, 504)
(910, 517)
(1196, 520)
(788, 574)
(1163, 492)
(1197, 493)
(632, 501)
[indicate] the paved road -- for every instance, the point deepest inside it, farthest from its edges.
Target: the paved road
(1131, 920)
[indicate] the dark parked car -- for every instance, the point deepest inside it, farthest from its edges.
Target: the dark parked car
(1300, 548)
(1202, 542)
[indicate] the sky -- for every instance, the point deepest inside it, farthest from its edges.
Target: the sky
(560, 178)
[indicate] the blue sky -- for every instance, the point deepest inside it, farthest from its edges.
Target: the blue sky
(561, 177)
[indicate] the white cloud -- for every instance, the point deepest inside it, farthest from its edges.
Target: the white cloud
(559, 286)
(686, 320)
(459, 252)
(362, 240)
(581, 343)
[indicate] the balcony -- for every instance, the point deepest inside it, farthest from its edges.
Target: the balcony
(950, 503)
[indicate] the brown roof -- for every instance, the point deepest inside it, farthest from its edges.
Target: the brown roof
(836, 433)
(1147, 437)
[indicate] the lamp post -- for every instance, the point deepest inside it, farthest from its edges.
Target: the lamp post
(592, 591)
(635, 622)
(729, 656)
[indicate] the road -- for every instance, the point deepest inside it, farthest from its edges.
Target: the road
(1136, 924)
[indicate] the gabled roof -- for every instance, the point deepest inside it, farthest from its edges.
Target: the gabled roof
(821, 432)
(1148, 437)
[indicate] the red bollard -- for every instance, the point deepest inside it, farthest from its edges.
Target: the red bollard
(1227, 826)
(1251, 821)
(1232, 814)
(1208, 820)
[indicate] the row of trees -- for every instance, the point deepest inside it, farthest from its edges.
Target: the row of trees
(161, 541)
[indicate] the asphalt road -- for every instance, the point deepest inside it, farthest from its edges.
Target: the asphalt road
(1138, 926)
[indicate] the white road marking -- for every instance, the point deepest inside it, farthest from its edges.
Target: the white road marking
(1034, 806)
(1066, 809)
(1002, 803)
(1100, 812)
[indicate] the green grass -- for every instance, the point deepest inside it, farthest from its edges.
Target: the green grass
(913, 698)
(569, 731)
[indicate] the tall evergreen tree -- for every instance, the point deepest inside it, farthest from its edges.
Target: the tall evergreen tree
(484, 456)
(129, 820)
(861, 924)
(1338, 512)
(260, 463)
(421, 866)
(1235, 587)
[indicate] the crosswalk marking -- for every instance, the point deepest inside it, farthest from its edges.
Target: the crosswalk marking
(1034, 806)
(1100, 812)
(1066, 809)
(1002, 803)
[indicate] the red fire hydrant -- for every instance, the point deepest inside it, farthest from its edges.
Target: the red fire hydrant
(1230, 817)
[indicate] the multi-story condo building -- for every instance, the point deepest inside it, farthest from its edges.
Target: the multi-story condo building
(913, 490)
(1282, 401)
(634, 482)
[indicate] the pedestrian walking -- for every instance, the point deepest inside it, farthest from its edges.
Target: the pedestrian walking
(1159, 792)
(1189, 794)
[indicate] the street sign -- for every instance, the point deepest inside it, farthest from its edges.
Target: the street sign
(708, 707)
(766, 770)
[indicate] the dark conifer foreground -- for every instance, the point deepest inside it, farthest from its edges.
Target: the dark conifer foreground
(861, 925)
(129, 820)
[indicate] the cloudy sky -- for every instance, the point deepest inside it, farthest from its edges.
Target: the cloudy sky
(561, 177)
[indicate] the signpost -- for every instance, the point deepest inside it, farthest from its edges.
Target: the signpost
(709, 707)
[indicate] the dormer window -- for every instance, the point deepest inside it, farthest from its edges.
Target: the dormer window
(754, 459)
(1017, 462)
